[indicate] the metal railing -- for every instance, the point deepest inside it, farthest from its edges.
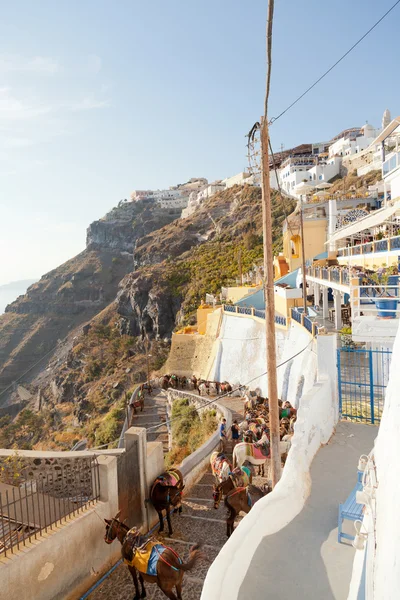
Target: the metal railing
(254, 312)
(385, 245)
(305, 321)
(336, 275)
(308, 324)
(381, 301)
(36, 506)
(296, 315)
(244, 310)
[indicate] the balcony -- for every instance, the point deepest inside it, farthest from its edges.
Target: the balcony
(391, 164)
(385, 245)
(338, 274)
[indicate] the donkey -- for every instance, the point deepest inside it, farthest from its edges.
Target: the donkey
(155, 562)
(166, 493)
(242, 500)
(238, 478)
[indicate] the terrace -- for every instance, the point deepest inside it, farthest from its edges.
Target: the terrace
(368, 299)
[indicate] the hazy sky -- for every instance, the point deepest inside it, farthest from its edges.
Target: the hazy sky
(100, 97)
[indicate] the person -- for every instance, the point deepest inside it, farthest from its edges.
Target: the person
(222, 435)
(235, 432)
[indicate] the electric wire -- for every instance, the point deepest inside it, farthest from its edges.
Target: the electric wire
(227, 393)
(274, 119)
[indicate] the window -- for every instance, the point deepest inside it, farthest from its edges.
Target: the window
(320, 177)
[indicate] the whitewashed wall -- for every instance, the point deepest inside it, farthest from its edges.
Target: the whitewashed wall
(383, 569)
(241, 356)
(315, 424)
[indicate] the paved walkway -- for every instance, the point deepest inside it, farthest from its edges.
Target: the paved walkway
(199, 522)
(304, 560)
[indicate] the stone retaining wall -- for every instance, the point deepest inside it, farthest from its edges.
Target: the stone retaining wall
(193, 465)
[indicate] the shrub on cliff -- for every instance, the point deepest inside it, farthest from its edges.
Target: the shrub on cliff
(189, 430)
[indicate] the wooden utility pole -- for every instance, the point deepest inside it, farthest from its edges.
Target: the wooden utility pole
(269, 295)
(269, 270)
(303, 258)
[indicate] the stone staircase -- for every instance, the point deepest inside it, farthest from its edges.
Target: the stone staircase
(198, 523)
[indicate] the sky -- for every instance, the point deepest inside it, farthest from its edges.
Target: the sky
(98, 98)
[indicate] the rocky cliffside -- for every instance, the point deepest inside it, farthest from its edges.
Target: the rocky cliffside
(73, 293)
(86, 323)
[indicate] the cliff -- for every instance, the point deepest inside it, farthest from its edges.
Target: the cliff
(140, 276)
(73, 293)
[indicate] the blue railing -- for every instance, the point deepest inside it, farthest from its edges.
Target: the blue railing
(381, 245)
(307, 324)
(356, 250)
(395, 243)
(244, 310)
(367, 248)
(229, 308)
(280, 320)
(296, 315)
(335, 275)
(345, 277)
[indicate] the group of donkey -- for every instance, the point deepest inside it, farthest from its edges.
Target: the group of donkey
(202, 386)
(167, 568)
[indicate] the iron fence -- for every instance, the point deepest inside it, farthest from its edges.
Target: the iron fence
(37, 505)
(381, 245)
(308, 324)
(296, 315)
(363, 376)
(229, 308)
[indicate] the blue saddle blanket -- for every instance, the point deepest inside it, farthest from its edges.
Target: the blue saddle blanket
(156, 551)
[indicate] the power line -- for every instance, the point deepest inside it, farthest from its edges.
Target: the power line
(227, 393)
(336, 63)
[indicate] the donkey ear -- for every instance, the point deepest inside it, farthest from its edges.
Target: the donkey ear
(107, 521)
(117, 516)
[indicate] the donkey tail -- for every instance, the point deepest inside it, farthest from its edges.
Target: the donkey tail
(195, 554)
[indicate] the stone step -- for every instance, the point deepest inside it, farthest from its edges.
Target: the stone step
(188, 528)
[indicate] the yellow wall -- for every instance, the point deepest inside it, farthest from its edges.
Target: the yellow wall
(314, 242)
(236, 293)
(202, 314)
(283, 305)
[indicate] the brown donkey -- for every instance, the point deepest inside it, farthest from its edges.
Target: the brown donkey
(240, 477)
(165, 494)
(154, 562)
(242, 500)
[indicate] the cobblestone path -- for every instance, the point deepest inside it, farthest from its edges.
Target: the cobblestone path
(199, 522)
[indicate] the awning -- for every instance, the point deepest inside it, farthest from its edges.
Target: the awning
(373, 220)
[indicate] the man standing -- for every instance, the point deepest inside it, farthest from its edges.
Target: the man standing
(235, 433)
(222, 435)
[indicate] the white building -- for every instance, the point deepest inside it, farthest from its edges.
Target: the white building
(142, 195)
(308, 169)
(353, 141)
(239, 179)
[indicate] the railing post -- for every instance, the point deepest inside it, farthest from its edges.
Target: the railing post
(252, 312)
(236, 309)
(302, 319)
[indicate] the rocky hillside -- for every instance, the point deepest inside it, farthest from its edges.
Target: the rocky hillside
(72, 294)
(139, 277)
